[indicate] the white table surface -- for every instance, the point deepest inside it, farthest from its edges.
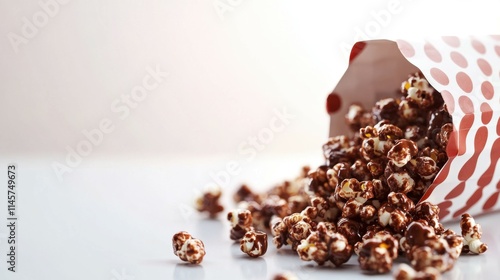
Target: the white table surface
(114, 219)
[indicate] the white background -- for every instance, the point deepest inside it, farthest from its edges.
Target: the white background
(118, 205)
(226, 75)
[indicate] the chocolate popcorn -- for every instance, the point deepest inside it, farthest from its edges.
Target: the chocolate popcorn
(376, 254)
(401, 153)
(241, 223)
(351, 229)
(291, 230)
(472, 235)
(366, 198)
(430, 213)
(395, 213)
(324, 245)
(254, 243)
(424, 248)
(434, 253)
(455, 242)
(187, 248)
(280, 201)
(415, 236)
(209, 201)
(244, 193)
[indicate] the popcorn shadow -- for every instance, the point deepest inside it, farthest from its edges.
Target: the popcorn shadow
(252, 268)
(187, 271)
(312, 270)
(209, 229)
(286, 252)
(328, 266)
(235, 251)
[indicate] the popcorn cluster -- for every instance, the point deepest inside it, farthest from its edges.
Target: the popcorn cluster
(254, 243)
(365, 200)
(208, 201)
(187, 248)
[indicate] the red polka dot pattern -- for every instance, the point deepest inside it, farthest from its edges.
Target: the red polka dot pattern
(458, 190)
(487, 113)
(478, 46)
(439, 76)
(484, 66)
(466, 71)
(464, 82)
(498, 127)
(449, 100)
(356, 50)
(432, 53)
(466, 104)
(487, 176)
(452, 41)
(464, 129)
(406, 48)
(459, 59)
(487, 90)
(333, 103)
(479, 143)
(490, 202)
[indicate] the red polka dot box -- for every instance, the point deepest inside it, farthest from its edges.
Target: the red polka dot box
(467, 73)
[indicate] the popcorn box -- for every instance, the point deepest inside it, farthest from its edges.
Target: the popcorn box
(466, 71)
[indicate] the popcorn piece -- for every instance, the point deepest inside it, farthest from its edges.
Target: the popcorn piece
(437, 119)
(455, 242)
(336, 150)
(271, 206)
(314, 248)
(320, 182)
(389, 132)
(417, 89)
(352, 188)
(209, 201)
(385, 109)
(179, 239)
(254, 243)
(401, 153)
(360, 171)
(418, 81)
(324, 209)
(429, 212)
(406, 272)
(187, 248)
(377, 254)
(409, 110)
(395, 212)
(414, 133)
(291, 230)
(350, 229)
(354, 116)
(401, 182)
(340, 250)
(325, 245)
(241, 223)
(426, 168)
(472, 235)
(416, 234)
(244, 193)
(444, 135)
(434, 253)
